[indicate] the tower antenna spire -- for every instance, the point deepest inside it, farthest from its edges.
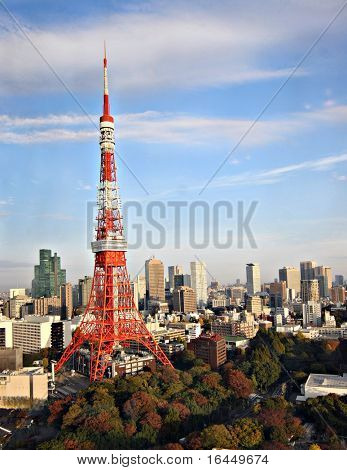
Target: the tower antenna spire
(106, 110)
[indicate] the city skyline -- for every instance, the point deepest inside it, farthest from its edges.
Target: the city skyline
(293, 162)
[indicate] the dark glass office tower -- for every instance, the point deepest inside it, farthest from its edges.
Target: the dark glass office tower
(48, 275)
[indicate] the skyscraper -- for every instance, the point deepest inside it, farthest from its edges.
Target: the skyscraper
(141, 287)
(66, 301)
(199, 282)
(324, 276)
(84, 288)
(253, 278)
(291, 276)
(173, 271)
(48, 275)
(339, 280)
(184, 299)
(155, 286)
(307, 270)
(309, 290)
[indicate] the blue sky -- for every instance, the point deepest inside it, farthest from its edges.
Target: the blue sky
(186, 82)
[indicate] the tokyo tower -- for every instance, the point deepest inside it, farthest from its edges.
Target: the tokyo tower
(111, 318)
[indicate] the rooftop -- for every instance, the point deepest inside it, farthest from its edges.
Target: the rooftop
(325, 380)
(24, 371)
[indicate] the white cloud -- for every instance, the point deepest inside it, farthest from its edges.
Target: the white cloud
(7, 202)
(275, 175)
(81, 186)
(165, 47)
(167, 127)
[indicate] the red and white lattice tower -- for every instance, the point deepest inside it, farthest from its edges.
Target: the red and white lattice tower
(111, 317)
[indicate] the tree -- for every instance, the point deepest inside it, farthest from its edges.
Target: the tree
(170, 375)
(57, 410)
(130, 428)
(272, 417)
(249, 432)
(211, 380)
(182, 410)
(193, 441)
(139, 404)
(238, 383)
(218, 436)
(173, 446)
(152, 419)
(73, 415)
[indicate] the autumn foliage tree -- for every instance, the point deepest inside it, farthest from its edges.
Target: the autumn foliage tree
(218, 436)
(238, 383)
(248, 432)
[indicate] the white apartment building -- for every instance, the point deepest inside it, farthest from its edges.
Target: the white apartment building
(32, 336)
(6, 340)
(311, 314)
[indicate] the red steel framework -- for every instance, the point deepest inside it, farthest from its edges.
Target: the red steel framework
(111, 318)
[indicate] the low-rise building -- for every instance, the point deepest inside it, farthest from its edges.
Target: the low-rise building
(23, 388)
(121, 365)
(234, 328)
(234, 342)
(318, 385)
(11, 358)
(171, 347)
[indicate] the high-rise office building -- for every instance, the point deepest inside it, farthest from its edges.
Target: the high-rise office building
(135, 291)
(141, 287)
(66, 301)
(199, 281)
(173, 271)
(279, 288)
(187, 280)
(307, 270)
(48, 275)
(84, 287)
(339, 280)
(325, 280)
(179, 280)
(155, 286)
(338, 294)
(310, 290)
(184, 299)
(253, 278)
(76, 295)
(291, 276)
(254, 305)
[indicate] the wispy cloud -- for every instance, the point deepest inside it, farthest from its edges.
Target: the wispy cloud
(167, 127)
(275, 175)
(165, 46)
(81, 186)
(9, 201)
(56, 216)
